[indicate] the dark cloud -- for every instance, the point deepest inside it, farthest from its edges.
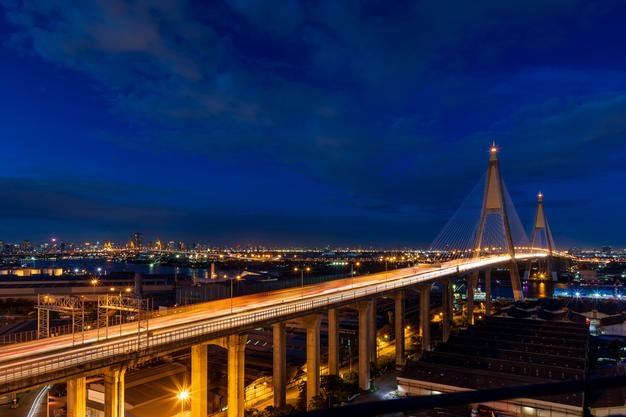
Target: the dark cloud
(386, 107)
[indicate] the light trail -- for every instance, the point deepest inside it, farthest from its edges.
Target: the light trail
(46, 356)
(37, 402)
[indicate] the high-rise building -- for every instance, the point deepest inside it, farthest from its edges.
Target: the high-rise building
(26, 246)
(137, 241)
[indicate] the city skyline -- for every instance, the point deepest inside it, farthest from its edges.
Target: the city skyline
(307, 124)
(151, 242)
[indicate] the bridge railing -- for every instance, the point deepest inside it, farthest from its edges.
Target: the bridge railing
(20, 369)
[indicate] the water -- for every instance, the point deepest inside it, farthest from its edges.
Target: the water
(500, 288)
(101, 266)
(531, 289)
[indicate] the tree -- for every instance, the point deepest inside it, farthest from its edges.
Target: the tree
(615, 349)
(334, 390)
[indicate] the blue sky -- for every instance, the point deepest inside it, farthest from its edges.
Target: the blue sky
(307, 122)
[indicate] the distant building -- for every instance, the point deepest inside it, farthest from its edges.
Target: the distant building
(137, 241)
(26, 246)
(607, 250)
(574, 251)
(588, 274)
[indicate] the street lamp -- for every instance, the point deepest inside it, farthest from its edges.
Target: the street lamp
(94, 282)
(302, 269)
(352, 265)
(238, 277)
(182, 396)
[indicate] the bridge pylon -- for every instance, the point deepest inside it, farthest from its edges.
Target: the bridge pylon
(494, 205)
(542, 238)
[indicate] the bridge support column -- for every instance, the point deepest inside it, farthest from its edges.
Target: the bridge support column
(364, 308)
(236, 389)
(398, 322)
(279, 374)
(77, 397)
(333, 342)
(425, 316)
(199, 380)
(114, 392)
(488, 292)
(373, 334)
(471, 281)
(312, 324)
(446, 299)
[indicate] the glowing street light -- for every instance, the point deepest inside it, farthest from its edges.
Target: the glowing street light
(182, 396)
(302, 269)
(94, 282)
(352, 272)
(238, 277)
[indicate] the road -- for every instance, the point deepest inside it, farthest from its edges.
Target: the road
(45, 356)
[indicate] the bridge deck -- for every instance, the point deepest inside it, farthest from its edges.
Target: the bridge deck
(38, 362)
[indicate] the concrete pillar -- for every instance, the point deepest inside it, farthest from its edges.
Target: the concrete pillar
(398, 322)
(364, 308)
(279, 374)
(312, 324)
(471, 281)
(446, 300)
(373, 334)
(114, 392)
(110, 393)
(425, 316)
(77, 397)
(488, 292)
(121, 393)
(333, 342)
(236, 372)
(199, 380)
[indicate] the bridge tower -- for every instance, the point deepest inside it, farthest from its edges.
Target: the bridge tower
(542, 238)
(494, 205)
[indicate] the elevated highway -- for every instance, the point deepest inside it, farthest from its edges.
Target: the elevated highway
(43, 361)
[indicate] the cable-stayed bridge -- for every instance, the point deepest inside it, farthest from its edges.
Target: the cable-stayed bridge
(494, 240)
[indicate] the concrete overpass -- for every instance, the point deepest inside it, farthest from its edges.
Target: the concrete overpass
(225, 322)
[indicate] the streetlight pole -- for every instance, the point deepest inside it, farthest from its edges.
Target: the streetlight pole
(231, 290)
(120, 311)
(231, 295)
(352, 265)
(94, 282)
(302, 269)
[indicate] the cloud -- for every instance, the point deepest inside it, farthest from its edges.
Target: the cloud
(392, 103)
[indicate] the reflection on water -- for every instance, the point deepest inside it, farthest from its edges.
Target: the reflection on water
(541, 290)
(106, 266)
(531, 289)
